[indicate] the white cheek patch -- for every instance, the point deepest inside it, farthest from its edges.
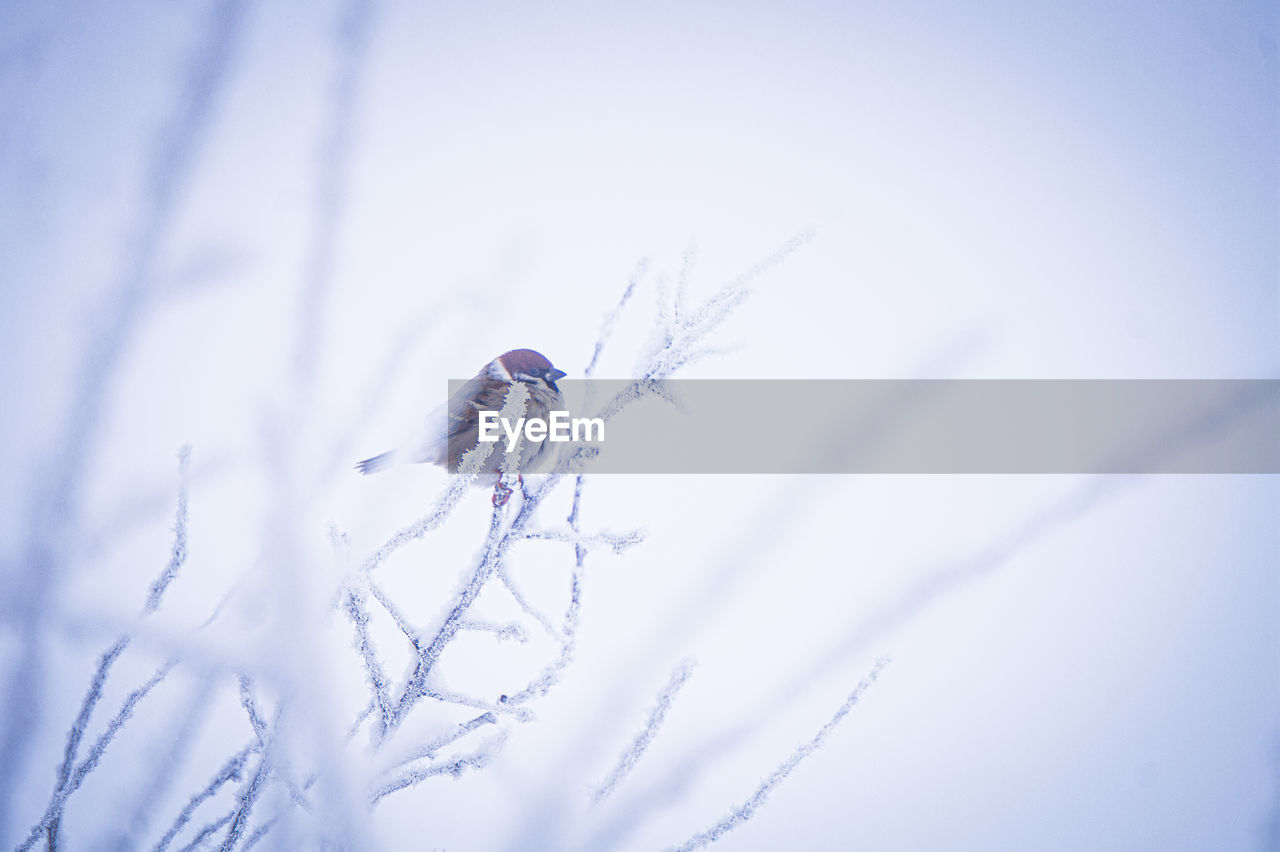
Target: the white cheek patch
(498, 370)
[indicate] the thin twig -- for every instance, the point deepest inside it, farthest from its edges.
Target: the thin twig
(747, 809)
(630, 757)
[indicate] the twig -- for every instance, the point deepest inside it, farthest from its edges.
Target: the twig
(57, 509)
(181, 742)
(230, 771)
(454, 767)
(630, 757)
(611, 319)
(747, 809)
(177, 557)
(505, 576)
(53, 812)
(428, 750)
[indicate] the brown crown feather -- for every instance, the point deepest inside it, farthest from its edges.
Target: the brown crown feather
(524, 361)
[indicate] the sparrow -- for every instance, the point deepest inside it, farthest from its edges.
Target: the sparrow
(453, 429)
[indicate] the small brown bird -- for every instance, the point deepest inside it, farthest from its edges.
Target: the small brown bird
(453, 429)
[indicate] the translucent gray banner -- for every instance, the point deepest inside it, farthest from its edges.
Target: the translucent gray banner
(909, 426)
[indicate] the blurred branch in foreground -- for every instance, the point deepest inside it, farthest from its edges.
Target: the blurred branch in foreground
(266, 760)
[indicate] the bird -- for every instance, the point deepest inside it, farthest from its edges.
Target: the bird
(451, 430)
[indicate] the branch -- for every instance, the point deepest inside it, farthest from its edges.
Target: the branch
(454, 767)
(614, 541)
(428, 750)
(55, 511)
(167, 765)
(505, 576)
(378, 682)
(177, 558)
(230, 771)
(611, 319)
(48, 823)
(502, 632)
(746, 810)
(178, 553)
(246, 800)
(630, 757)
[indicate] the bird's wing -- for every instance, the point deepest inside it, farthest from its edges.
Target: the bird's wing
(457, 417)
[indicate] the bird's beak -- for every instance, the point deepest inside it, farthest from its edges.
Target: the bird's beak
(554, 375)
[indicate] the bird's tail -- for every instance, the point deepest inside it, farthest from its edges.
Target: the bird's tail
(377, 463)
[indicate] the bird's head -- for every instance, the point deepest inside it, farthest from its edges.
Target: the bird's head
(530, 367)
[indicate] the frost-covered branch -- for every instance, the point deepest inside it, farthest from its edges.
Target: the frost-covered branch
(181, 742)
(445, 504)
(392, 610)
(208, 831)
(690, 326)
(378, 681)
(678, 336)
(415, 688)
(405, 761)
(509, 582)
(616, 542)
(502, 706)
(48, 824)
(429, 749)
(454, 766)
(56, 509)
(550, 675)
(230, 771)
(177, 557)
(747, 809)
(506, 632)
(611, 319)
(247, 798)
(178, 554)
(547, 678)
(630, 757)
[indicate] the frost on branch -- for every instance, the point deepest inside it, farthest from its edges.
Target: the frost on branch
(636, 750)
(270, 787)
(747, 809)
(229, 734)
